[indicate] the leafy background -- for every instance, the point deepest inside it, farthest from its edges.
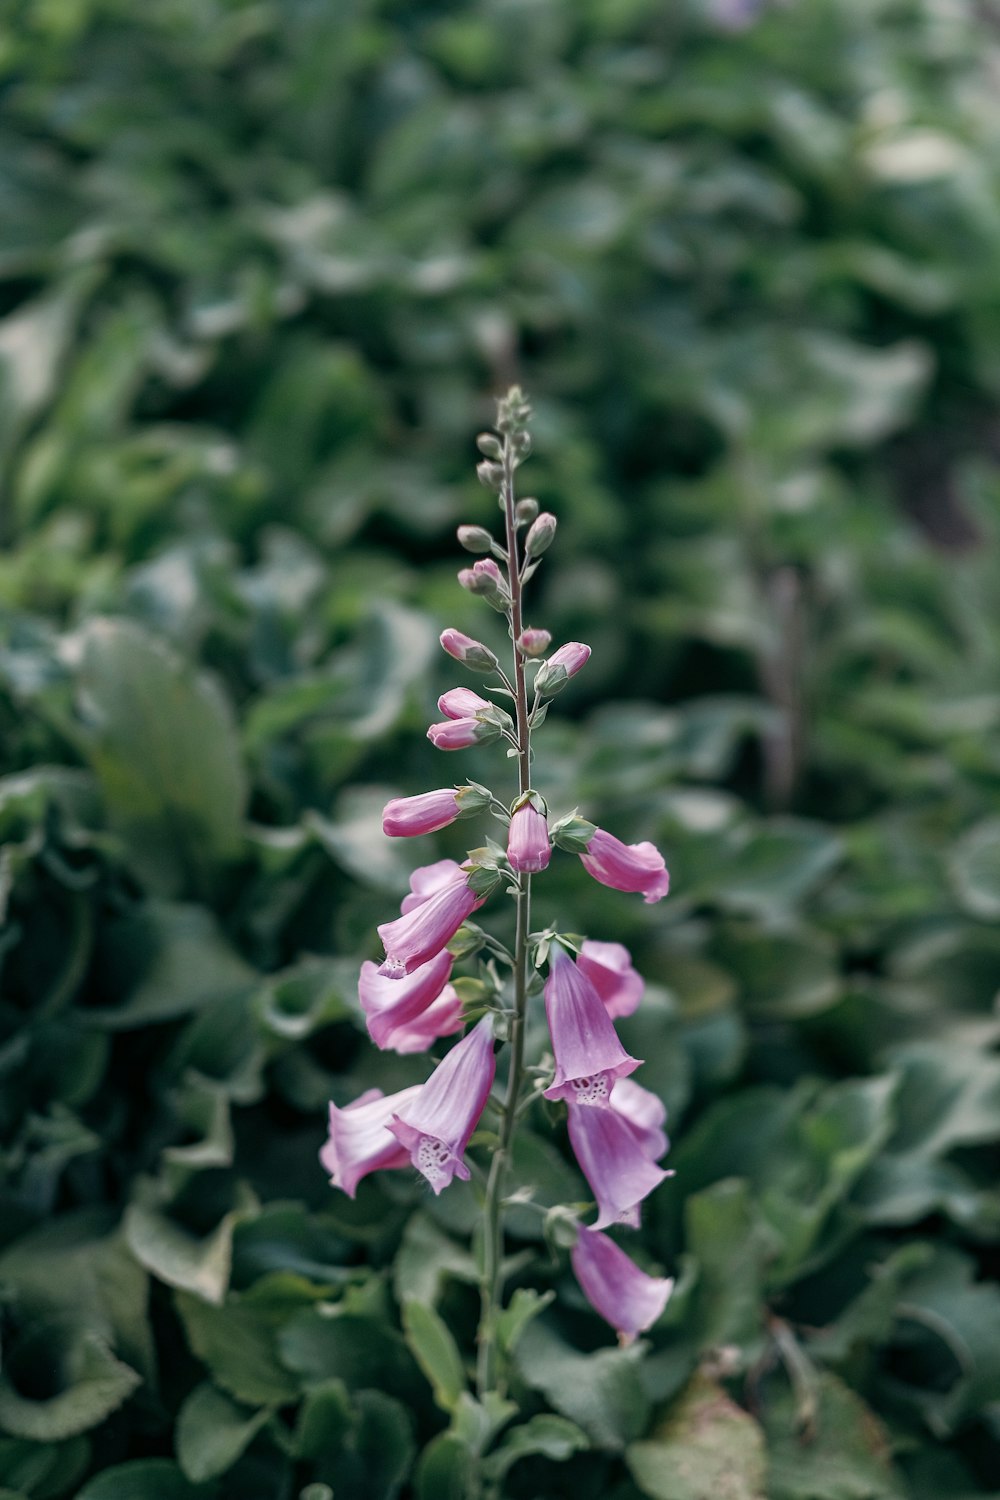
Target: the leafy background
(262, 267)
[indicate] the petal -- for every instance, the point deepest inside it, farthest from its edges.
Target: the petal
(615, 1287)
(611, 1157)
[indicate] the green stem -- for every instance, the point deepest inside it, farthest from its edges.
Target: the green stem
(492, 1280)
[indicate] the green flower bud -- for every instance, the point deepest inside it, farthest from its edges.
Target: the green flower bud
(475, 538)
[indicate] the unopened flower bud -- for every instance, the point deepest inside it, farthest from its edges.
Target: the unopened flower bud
(462, 703)
(534, 642)
(490, 474)
(489, 445)
(460, 734)
(471, 654)
(475, 538)
(563, 664)
(485, 579)
(541, 535)
(526, 510)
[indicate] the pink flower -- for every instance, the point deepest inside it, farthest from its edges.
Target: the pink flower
(417, 936)
(470, 653)
(391, 1005)
(360, 1141)
(528, 847)
(462, 703)
(563, 664)
(645, 1112)
(443, 1017)
(427, 879)
(608, 966)
(459, 734)
(533, 642)
(435, 1126)
(406, 817)
(626, 867)
(624, 1296)
(613, 1160)
(589, 1056)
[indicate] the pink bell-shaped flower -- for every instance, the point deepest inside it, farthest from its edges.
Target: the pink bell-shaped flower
(435, 1126)
(392, 1005)
(615, 1287)
(414, 938)
(359, 1139)
(588, 1055)
(461, 734)
(528, 847)
(614, 1161)
(608, 966)
(428, 879)
(443, 1017)
(626, 867)
(645, 1112)
(472, 654)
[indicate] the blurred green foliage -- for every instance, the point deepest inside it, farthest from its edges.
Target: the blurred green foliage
(262, 267)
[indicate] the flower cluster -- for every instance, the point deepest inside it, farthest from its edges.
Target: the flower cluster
(410, 1001)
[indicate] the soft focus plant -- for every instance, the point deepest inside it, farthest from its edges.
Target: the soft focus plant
(615, 1126)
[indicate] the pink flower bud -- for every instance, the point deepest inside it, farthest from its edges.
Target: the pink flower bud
(462, 703)
(615, 1287)
(472, 654)
(534, 642)
(435, 1126)
(541, 534)
(474, 538)
(553, 675)
(627, 867)
(407, 817)
(459, 734)
(528, 846)
(485, 579)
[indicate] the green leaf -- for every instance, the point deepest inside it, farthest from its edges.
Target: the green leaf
(237, 1343)
(163, 960)
(546, 1435)
(175, 1255)
(844, 1457)
(95, 1384)
(212, 1432)
(732, 1250)
(163, 743)
(524, 1305)
(975, 869)
(436, 1352)
(445, 1470)
(706, 1448)
(144, 1479)
(601, 1392)
(424, 1261)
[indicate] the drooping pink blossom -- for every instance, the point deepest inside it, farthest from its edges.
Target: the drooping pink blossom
(528, 847)
(615, 1287)
(472, 654)
(462, 703)
(427, 879)
(588, 1055)
(461, 734)
(359, 1139)
(393, 1005)
(443, 1017)
(613, 1160)
(408, 817)
(626, 867)
(417, 936)
(435, 1126)
(646, 1114)
(608, 966)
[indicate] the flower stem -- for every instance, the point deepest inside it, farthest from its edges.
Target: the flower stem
(492, 1279)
